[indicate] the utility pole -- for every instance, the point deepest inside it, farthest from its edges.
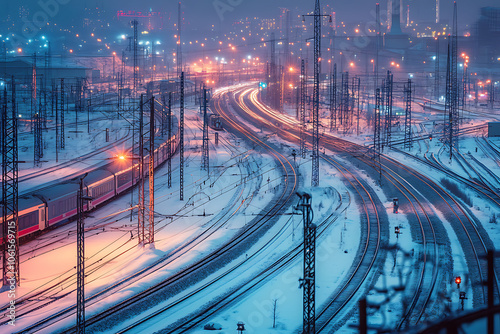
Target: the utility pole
(181, 139)
(317, 71)
(302, 109)
(309, 280)
(408, 133)
(80, 245)
(10, 191)
(206, 151)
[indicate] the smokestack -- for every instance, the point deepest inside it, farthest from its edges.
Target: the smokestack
(396, 18)
(437, 11)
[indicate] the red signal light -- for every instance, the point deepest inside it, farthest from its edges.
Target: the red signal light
(458, 280)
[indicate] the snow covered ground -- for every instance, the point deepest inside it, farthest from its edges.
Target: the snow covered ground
(227, 191)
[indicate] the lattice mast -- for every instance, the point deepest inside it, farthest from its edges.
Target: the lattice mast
(62, 142)
(135, 23)
(10, 191)
(274, 86)
(82, 198)
(141, 204)
(181, 139)
(179, 41)
(169, 142)
(309, 280)
(302, 114)
(38, 139)
(388, 108)
(408, 143)
(377, 128)
(454, 111)
(206, 151)
(149, 231)
(333, 99)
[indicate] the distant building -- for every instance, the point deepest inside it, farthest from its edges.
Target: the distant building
(486, 32)
(22, 70)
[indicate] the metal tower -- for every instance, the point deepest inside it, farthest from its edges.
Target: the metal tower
(408, 134)
(181, 139)
(179, 42)
(355, 89)
(377, 10)
(141, 204)
(333, 98)
(344, 107)
(436, 72)
(10, 190)
(309, 280)
(451, 127)
(33, 91)
(388, 108)
(169, 142)
(62, 145)
(206, 151)
(274, 87)
(377, 142)
(135, 23)
(149, 232)
(302, 109)
(38, 144)
(80, 245)
(317, 71)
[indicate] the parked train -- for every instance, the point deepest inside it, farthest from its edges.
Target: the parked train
(49, 206)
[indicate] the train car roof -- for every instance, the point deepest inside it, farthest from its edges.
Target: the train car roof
(97, 175)
(58, 190)
(28, 201)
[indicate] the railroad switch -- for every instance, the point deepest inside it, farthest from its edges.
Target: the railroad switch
(397, 231)
(241, 327)
(462, 298)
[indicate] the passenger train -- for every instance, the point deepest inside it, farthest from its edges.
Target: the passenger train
(52, 205)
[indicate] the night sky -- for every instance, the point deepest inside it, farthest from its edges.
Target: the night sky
(203, 12)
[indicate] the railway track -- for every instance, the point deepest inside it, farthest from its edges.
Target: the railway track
(48, 295)
(473, 241)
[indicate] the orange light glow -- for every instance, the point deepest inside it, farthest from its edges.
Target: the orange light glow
(352, 64)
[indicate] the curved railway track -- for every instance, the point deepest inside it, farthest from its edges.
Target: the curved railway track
(474, 241)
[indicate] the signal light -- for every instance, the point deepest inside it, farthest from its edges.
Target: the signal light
(458, 280)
